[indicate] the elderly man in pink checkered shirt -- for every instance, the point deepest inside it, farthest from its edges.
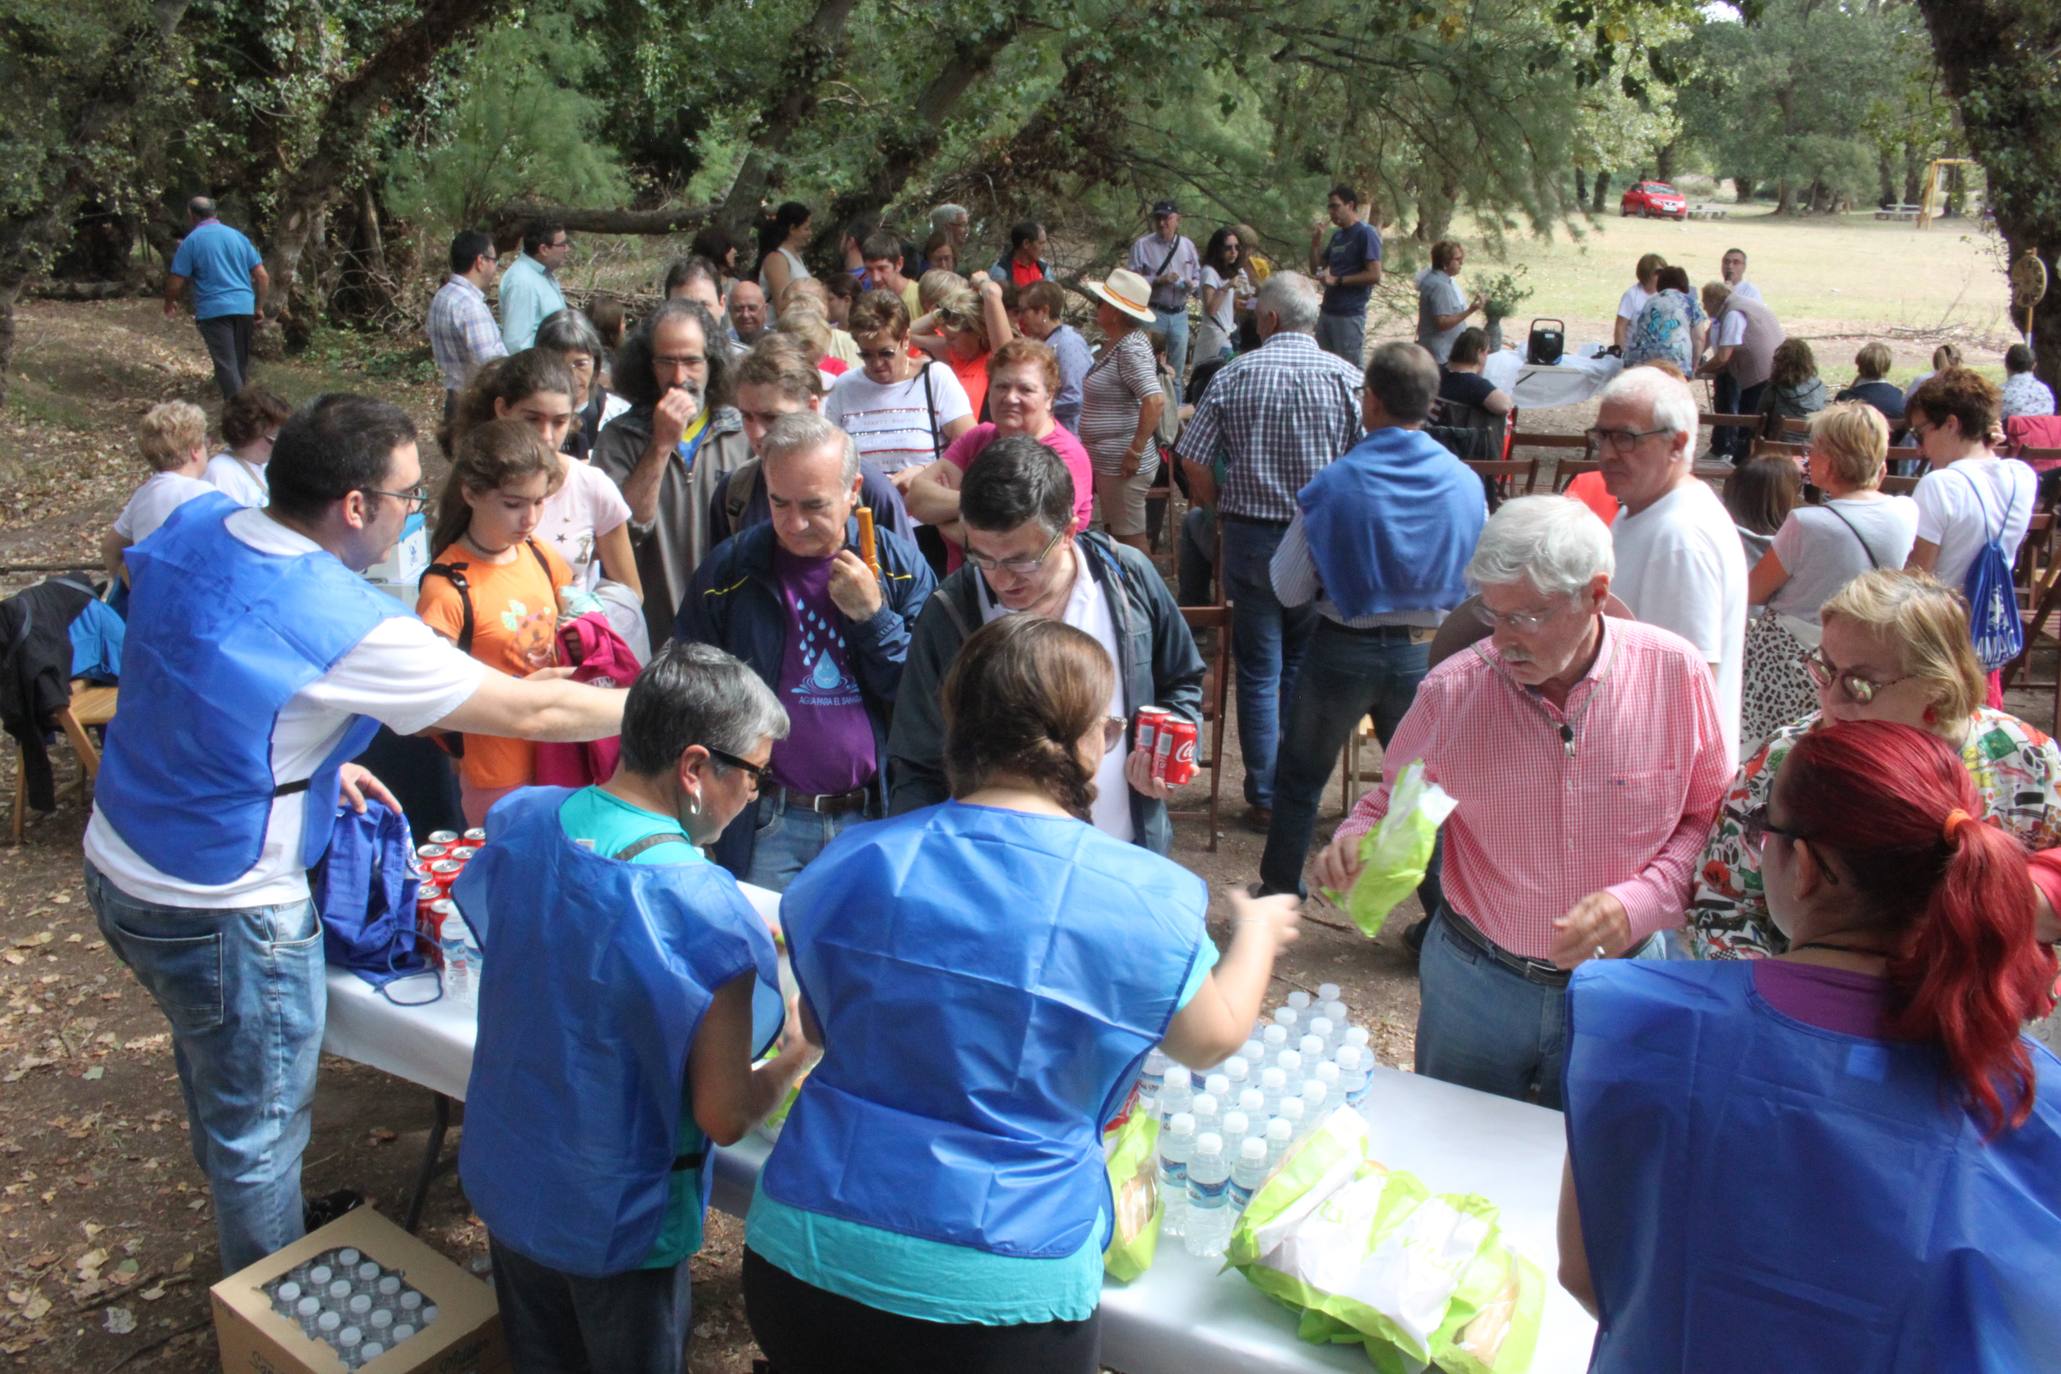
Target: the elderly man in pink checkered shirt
(1588, 758)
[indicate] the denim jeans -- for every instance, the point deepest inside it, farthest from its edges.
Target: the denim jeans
(1348, 674)
(1174, 324)
(1739, 439)
(635, 1322)
(243, 988)
(1344, 336)
(1267, 643)
(788, 837)
(1196, 566)
(227, 338)
(1487, 1027)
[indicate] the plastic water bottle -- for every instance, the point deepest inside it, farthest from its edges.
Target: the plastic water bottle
(1237, 1072)
(1253, 1103)
(348, 1257)
(382, 1323)
(1312, 1050)
(1327, 992)
(411, 1308)
(1327, 1074)
(1248, 1173)
(339, 1292)
(1300, 1000)
(1209, 1183)
(1274, 1039)
(402, 1331)
(1316, 1102)
(1151, 1080)
(319, 1277)
(429, 1315)
(1288, 1019)
(1207, 1111)
(475, 961)
(389, 1291)
(369, 1352)
(1292, 1112)
(1280, 1135)
(347, 1342)
(1255, 1053)
(1176, 1092)
(1218, 1085)
(306, 1311)
(1336, 1013)
(1324, 1033)
(1176, 1144)
(1237, 1125)
(1273, 1087)
(457, 968)
(285, 1297)
(1352, 1074)
(1290, 1064)
(327, 1325)
(1357, 1036)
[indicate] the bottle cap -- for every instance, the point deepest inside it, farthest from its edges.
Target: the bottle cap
(1237, 1069)
(1286, 1016)
(1292, 1109)
(307, 1307)
(1312, 1048)
(319, 1275)
(347, 1257)
(288, 1293)
(1209, 1143)
(1235, 1125)
(1327, 992)
(1321, 1027)
(1279, 1130)
(1181, 1123)
(372, 1351)
(1274, 1037)
(329, 1321)
(1273, 1080)
(1349, 1057)
(402, 1331)
(1253, 1150)
(1299, 999)
(1326, 1073)
(1205, 1104)
(1217, 1085)
(1177, 1076)
(1313, 1093)
(1155, 1061)
(1290, 1063)
(1251, 1101)
(1356, 1035)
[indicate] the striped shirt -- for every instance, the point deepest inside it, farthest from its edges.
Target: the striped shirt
(892, 424)
(462, 332)
(1116, 388)
(1537, 830)
(1279, 414)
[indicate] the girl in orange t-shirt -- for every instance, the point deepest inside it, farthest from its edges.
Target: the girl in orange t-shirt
(486, 562)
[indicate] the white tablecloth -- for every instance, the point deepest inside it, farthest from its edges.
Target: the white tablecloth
(1182, 1317)
(1567, 383)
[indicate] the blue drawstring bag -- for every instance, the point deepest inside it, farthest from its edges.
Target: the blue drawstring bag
(364, 889)
(1998, 629)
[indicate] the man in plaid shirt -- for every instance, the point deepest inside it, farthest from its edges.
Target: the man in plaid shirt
(462, 332)
(1278, 415)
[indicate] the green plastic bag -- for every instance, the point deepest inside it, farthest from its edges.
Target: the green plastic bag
(1395, 853)
(1133, 1150)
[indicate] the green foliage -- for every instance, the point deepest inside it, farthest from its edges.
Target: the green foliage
(519, 125)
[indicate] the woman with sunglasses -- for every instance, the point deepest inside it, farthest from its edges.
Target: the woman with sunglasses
(1906, 1208)
(1894, 647)
(938, 1194)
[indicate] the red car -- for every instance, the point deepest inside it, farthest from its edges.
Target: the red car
(1653, 198)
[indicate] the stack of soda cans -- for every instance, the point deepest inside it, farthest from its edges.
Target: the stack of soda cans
(1169, 739)
(438, 862)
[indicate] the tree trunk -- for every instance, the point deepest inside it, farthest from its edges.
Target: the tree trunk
(1581, 184)
(1885, 176)
(1664, 161)
(1784, 198)
(507, 221)
(1995, 57)
(10, 292)
(813, 53)
(1742, 189)
(1914, 172)
(1956, 192)
(1598, 191)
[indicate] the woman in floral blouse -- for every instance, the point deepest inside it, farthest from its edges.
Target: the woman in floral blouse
(1895, 648)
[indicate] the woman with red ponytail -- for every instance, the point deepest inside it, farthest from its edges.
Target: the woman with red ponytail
(1911, 1219)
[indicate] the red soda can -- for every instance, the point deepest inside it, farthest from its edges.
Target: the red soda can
(430, 853)
(443, 837)
(1176, 766)
(433, 927)
(1150, 719)
(463, 853)
(444, 872)
(475, 836)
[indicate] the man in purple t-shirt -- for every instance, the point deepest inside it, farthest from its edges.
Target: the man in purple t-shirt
(794, 599)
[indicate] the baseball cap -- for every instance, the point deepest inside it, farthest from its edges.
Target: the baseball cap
(1164, 207)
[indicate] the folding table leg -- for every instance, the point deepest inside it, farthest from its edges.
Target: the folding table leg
(432, 1160)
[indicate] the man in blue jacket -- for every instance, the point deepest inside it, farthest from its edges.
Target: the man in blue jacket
(1380, 542)
(1024, 557)
(794, 599)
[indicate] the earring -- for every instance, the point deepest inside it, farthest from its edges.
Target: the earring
(693, 805)
(1931, 715)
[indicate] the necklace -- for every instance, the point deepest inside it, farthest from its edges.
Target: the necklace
(481, 549)
(1569, 727)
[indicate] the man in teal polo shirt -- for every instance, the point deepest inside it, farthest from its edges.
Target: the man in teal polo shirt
(229, 285)
(529, 289)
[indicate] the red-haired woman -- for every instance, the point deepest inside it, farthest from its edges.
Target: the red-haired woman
(1838, 1158)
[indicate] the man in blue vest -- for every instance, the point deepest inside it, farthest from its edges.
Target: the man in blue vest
(257, 662)
(595, 1100)
(229, 285)
(1380, 542)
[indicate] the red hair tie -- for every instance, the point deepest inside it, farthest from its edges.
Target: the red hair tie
(1955, 819)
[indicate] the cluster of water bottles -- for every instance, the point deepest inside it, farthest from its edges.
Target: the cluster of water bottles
(1219, 1144)
(351, 1303)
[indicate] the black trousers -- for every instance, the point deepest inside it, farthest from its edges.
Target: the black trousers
(228, 343)
(804, 1330)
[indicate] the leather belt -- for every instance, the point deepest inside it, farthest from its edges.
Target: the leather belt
(827, 803)
(1531, 970)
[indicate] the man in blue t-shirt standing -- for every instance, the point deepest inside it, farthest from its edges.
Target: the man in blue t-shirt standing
(229, 285)
(1348, 268)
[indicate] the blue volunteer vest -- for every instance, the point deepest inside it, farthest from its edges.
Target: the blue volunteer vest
(221, 636)
(1759, 1194)
(595, 978)
(987, 984)
(1392, 523)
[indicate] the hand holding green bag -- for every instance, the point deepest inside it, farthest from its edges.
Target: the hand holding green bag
(1134, 1192)
(1395, 853)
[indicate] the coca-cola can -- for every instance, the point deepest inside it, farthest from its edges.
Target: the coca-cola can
(475, 836)
(463, 853)
(443, 837)
(444, 872)
(1150, 719)
(1175, 766)
(430, 853)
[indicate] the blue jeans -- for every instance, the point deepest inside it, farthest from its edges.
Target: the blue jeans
(1267, 643)
(1344, 336)
(243, 988)
(1348, 674)
(1487, 1027)
(1174, 324)
(1196, 566)
(788, 837)
(635, 1322)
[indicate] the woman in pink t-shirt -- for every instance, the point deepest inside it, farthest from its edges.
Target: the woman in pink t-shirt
(1023, 376)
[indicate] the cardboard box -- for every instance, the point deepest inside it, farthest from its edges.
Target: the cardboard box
(465, 1339)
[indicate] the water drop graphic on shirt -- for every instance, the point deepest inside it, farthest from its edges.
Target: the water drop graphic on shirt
(825, 676)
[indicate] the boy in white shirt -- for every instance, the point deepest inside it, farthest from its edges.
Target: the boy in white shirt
(173, 439)
(250, 422)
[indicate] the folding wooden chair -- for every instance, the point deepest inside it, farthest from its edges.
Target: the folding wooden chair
(1764, 447)
(1893, 485)
(1796, 431)
(2037, 578)
(1713, 420)
(1216, 618)
(1567, 469)
(91, 705)
(1505, 475)
(1575, 445)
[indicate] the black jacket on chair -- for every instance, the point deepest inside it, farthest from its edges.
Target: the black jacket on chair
(36, 673)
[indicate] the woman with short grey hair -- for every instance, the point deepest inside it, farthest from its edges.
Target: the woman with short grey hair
(573, 336)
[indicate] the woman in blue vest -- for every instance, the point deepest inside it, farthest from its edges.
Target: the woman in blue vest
(1840, 1158)
(987, 973)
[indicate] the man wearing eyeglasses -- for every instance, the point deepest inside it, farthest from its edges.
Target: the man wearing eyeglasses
(462, 332)
(1588, 762)
(258, 661)
(529, 289)
(1680, 564)
(1024, 557)
(794, 599)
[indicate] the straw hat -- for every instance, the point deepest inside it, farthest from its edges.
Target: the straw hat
(1128, 292)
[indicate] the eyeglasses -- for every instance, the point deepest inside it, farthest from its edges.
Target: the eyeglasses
(757, 772)
(1016, 567)
(686, 360)
(877, 355)
(415, 497)
(1755, 827)
(1858, 690)
(1524, 622)
(1620, 440)
(1113, 730)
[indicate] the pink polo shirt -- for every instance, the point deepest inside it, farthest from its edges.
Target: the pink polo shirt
(1060, 440)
